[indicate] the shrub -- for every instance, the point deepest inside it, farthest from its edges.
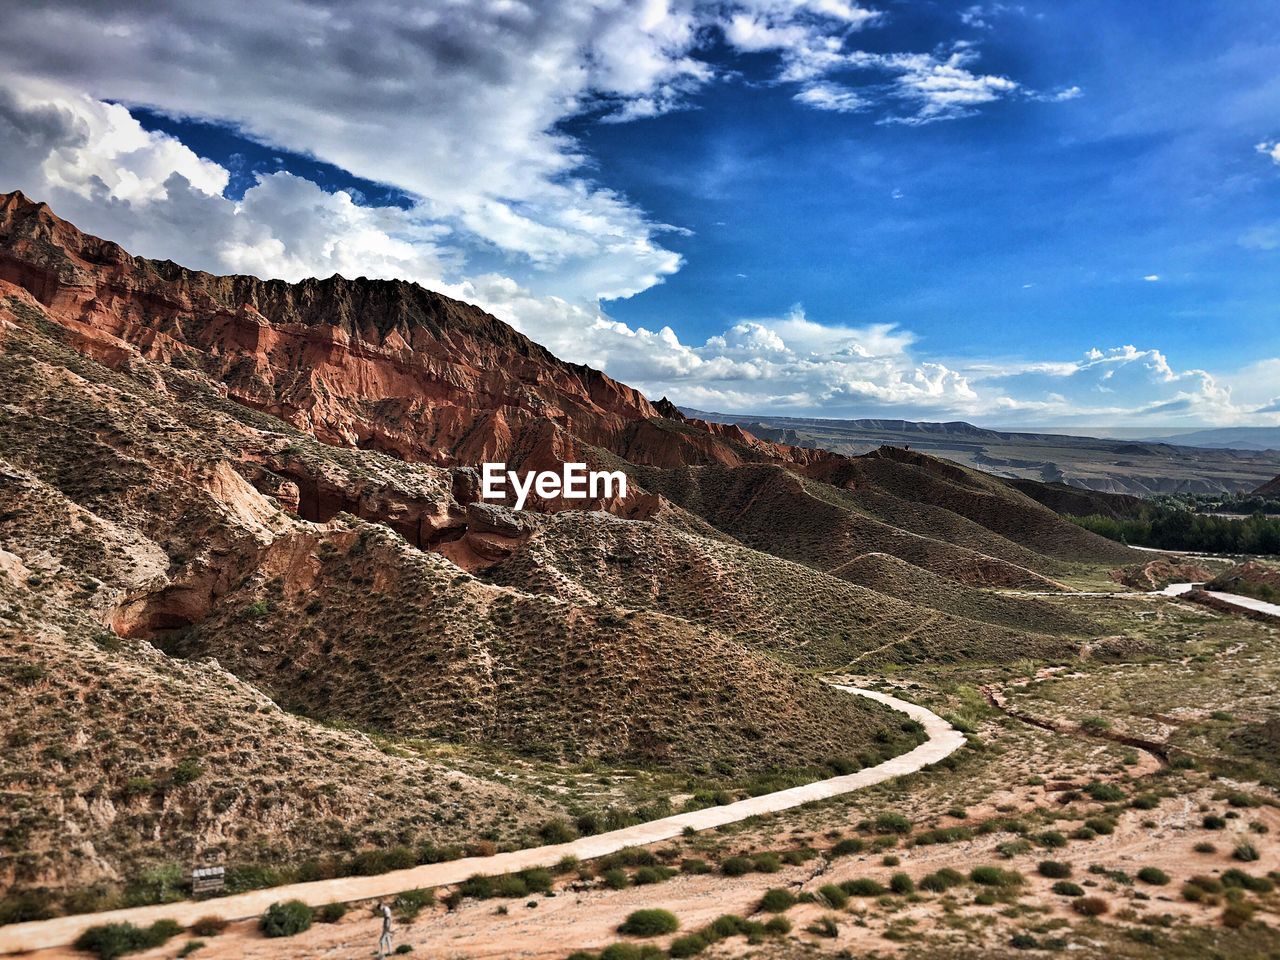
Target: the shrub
(616, 879)
(862, 887)
(778, 925)
(1101, 825)
(1237, 914)
(942, 835)
(208, 926)
(1065, 888)
(847, 847)
(557, 831)
(187, 771)
(995, 877)
(285, 919)
(834, 896)
(190, 947)
(941, 880)
(1204, 846)
(410, 903)
(650, 875)
(902, 883)
(116, 939)
(736, 866)
(331, 912)
(1054, 869)
(650, 923)
(403, 948)
(1104, 792)
(1145, 801)
(892, 823)
(690, 945)
(1153, 875)
(1083, 833)
(824, 927)
(695, 866)
(1051, 839)
(1245, 851)
(631, 951)
(777, 900)
(1090, 906)
(767, 862)
(1095, 724)
(1213, 822)
(1238, 879)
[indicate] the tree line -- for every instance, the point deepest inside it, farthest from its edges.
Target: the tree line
(1174, 529)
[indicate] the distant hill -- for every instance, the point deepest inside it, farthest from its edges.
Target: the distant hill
(1237, 438)
(1138, 467)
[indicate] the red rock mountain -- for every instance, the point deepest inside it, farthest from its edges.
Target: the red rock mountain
(1269, 489)
(374, 364)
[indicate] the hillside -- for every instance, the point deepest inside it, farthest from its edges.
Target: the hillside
(243, 533)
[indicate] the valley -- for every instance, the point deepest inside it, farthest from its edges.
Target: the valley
(256, 611)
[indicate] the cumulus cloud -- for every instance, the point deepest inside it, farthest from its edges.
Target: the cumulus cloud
(1270, 148)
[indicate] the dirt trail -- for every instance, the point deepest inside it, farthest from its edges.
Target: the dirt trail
(942, 740)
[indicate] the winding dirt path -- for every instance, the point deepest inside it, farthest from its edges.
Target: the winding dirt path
(942, 740)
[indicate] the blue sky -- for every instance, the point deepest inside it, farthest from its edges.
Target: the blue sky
(1026, 214)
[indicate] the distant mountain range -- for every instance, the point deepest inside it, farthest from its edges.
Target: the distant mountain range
(1187, 463)
(1236, 438)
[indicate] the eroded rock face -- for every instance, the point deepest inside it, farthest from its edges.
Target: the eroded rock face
(373, 364)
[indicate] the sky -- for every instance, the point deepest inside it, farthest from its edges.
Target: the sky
(1044, 214)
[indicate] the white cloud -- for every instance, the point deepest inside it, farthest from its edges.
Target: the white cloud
(1152, 278)
(1270, 149)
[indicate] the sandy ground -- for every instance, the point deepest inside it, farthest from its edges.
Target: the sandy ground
(941, 741)
(550, 928)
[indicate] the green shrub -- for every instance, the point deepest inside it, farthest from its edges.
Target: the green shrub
(616, 879)
(1104, 792)
(942, 835)
(837, 898)
(557, 831)
(1090, 906)
(995, 877)
(824, 927)
(285, 919)
(892, 823)
(1065, 888)
(1245, 852)
(942, 880)
(863, 887)
(1145, 801)
(1153, 875)
(650, 923)
(778, 925)
(1213, 822)
(766, 862)
(646, 876)
(1054, 869)
(695, 866)
(1101, 826)
(847, 847)
(409, 904)
(1051, 839)
(631, 951)
(1238, 879)
(190, 947)
(208, 926)
(902, 883)
(116, 939)
(777, 900)
(690, 945)
(1237, 914)
(736, 866)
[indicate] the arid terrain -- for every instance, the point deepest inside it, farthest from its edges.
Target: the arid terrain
(255, 613)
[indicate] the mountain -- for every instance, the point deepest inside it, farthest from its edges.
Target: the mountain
(1269, 489)
(1136, 467)
(1238, 438)
(247, 574)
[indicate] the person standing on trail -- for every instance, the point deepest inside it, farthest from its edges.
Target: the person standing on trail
(384, 942)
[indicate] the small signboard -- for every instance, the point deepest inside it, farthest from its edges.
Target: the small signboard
(208, 881)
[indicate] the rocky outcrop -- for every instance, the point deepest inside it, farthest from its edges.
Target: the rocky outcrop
(373, 364)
